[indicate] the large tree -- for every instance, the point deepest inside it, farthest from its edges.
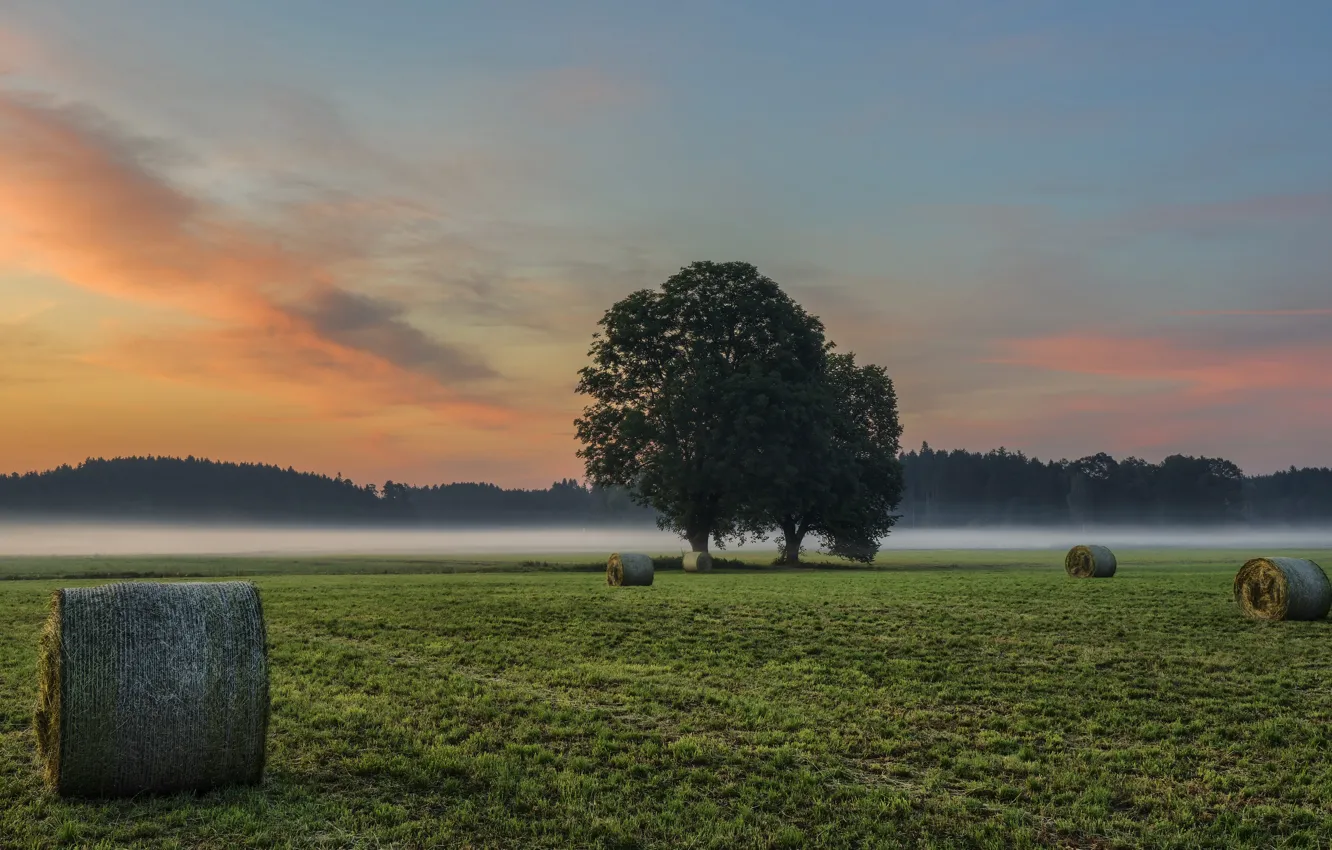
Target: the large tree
(699, 391)
(844, 487)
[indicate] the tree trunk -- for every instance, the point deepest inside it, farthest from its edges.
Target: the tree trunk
(792, 536)
(698, 541)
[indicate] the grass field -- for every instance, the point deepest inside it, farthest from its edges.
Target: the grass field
(949, 699)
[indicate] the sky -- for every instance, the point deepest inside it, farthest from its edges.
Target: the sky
(375, 238)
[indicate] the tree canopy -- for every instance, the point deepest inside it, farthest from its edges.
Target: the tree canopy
(718, 402)
(701, 394)
(848, 480)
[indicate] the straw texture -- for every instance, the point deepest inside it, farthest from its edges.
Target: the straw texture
(629, 568)
(148, 687)
(1090, 562)
(697, 562)
(1283, 589)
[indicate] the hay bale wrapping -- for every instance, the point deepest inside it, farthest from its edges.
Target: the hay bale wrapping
(1090, 562)
(1282, 589)
(697, 562)
(629, 569)
(152, 687)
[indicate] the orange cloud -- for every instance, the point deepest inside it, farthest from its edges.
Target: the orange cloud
(323, 375)
(83, 201)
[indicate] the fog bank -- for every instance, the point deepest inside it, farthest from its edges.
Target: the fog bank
(108, 538)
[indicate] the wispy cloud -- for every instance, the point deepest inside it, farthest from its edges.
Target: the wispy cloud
(85, 201)
(376, 326)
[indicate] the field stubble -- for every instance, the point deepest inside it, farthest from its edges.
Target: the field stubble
(936, 703)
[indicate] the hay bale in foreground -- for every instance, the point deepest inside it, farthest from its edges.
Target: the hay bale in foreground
(148, 687)
(697, 562)
(1090, 562)
(1283, 589)
(625, 569)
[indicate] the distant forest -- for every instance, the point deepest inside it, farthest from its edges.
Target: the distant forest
(943, 488)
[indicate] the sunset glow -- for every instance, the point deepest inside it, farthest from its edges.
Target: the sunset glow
(378, 242)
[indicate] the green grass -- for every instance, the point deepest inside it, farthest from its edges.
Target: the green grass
(41, 567)
(203, 566)
(20, 568)
(950, 699)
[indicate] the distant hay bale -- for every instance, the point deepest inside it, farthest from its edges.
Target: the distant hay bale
(697, 562)
(148, 687)
(1090, 562)
(625, 569)
(1282, 589)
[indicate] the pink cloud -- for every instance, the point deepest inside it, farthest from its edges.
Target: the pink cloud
(1266, 407)
(1197, 370)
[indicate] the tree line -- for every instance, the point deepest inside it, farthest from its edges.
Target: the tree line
(197, 488)
(943, 488)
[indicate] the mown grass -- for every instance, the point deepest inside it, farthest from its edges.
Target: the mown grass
(15, 568)
(203, 566)
(930, 704)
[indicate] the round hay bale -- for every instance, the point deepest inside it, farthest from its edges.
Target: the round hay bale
(1282, 589)
(148, 687)
(697, 562)
(625, 569)
(1090, 562)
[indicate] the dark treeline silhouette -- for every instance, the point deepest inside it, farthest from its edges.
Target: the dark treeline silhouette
(1292, 495)
(193, 488)
(958, 487)
(943, 488)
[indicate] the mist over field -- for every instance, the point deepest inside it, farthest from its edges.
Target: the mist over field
(69, 538)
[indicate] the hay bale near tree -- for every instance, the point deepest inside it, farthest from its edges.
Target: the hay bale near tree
(697, 562)
(152, 687)
(629, 569)
(1090, 562)
(1283, 589)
